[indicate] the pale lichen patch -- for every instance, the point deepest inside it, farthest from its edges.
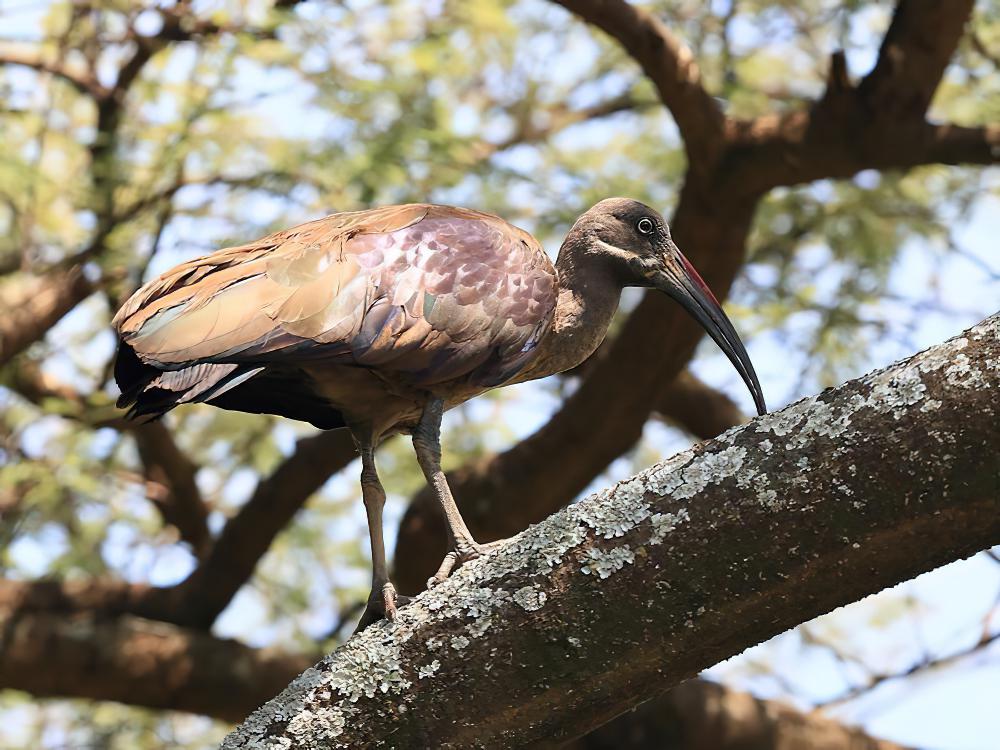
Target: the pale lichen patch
(897, 390)
(783, 422)
(370, 666)
(427, 670)
(477, 628)
(530, 598)
(663, 523)
(713, 468)
(769, 499)
(605, 563)
(459, 642)
(616, 512)
(323, 724)
(961, 372)
(822, 420)
(665, 477)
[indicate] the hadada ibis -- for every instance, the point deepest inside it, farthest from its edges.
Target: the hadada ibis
(378, 321)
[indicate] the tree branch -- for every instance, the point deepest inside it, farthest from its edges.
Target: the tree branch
(698, 408)
(169, 473)
(703, 715)
(34, 306)
(179, 500)
(139, 662)
(879, 124)
(590, 612)
(82, 81)
(669, 64)
(249, 534)
(536, 126)
(231, 559)
(915, 51)
(155, 665)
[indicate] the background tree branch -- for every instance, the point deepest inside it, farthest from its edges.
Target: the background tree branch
(703, 715)
(589, 613)
(37, 305)
(669, 64)
(163, 666)
(138, 661)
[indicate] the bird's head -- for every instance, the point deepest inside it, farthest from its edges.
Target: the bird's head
(634, 243)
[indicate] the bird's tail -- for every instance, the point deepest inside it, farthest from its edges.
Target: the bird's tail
(150, 392)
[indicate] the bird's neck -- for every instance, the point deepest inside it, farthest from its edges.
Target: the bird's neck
(588, 298)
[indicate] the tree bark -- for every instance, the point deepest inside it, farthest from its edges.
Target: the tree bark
(36, 304)
(703, 715)
(630, 591)
(140, 662)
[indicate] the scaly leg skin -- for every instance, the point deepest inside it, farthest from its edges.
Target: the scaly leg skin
(383, 600)
(427, 445)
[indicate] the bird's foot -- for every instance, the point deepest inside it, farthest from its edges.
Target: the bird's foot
(383, 604)
(460, 554)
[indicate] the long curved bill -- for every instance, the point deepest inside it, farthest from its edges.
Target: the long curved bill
(683, 283)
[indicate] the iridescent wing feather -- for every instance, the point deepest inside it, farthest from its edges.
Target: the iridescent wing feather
(429, 294)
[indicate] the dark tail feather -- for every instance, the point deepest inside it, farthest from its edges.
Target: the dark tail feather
(131, 375)
(150, 392)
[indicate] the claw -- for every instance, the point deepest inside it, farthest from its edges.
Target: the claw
(457, 557)
(383, 604)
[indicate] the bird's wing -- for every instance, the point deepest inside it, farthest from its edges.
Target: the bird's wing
(431, 291)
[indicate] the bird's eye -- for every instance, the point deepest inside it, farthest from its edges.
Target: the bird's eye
(644, 225)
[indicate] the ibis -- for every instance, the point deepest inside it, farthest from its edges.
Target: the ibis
(378, 321)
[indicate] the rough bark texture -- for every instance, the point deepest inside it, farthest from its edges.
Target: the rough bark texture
(635, 588)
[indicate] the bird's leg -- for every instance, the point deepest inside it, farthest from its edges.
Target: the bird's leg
(383, 599)
(427, 445)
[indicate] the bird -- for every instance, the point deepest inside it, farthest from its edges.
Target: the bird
(378, 321)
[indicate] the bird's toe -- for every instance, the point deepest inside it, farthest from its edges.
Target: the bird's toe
(383, 604)
(459, 556)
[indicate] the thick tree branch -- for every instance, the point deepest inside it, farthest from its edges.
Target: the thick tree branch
(915, 51)
(629, 591)
(83, 81)
(669, 64)
(109, 597)
(703, 715)
(249, 534)
(179, 499)
(139, 662)
(879, 124)
(34, 305)
(155, 665)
